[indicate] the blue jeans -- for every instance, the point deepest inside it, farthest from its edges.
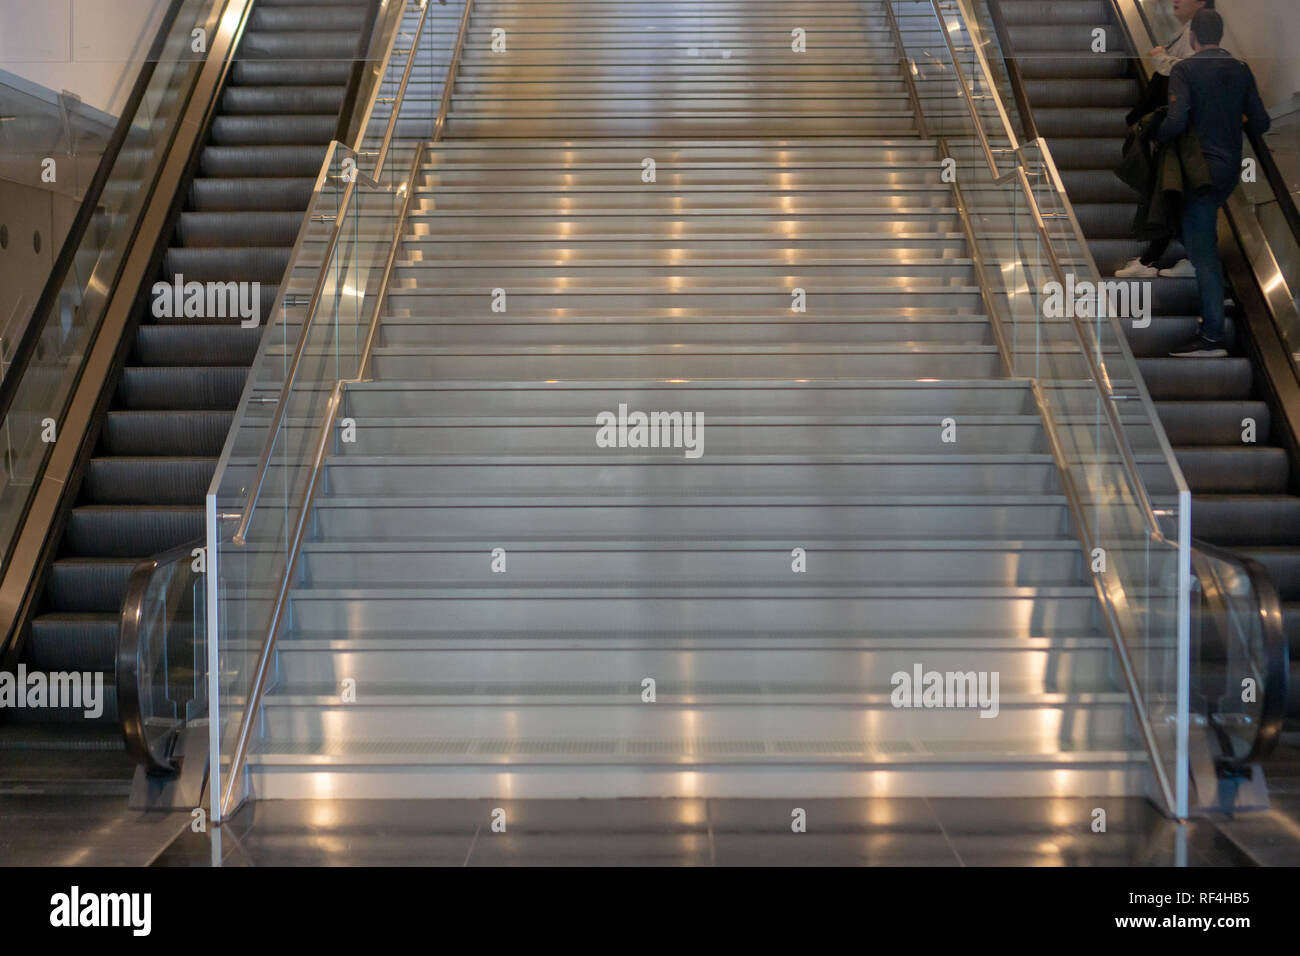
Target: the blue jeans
(1201, 240)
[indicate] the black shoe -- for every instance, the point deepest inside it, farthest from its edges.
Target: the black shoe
(1200, 347)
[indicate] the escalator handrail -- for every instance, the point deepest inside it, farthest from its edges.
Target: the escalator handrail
(1277, 182)
(26, 347)
(130, 675)
(1012, 66)
(1275, 666)
(359, 61)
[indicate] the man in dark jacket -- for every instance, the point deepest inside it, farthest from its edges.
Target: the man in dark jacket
(1211, 92)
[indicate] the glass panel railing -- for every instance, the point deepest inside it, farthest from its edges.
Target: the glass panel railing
(51, 144)
(293, 411)
(1060, 326)
(48, 360)
(41, 125)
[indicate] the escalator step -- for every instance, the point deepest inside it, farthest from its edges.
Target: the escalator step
(154, 480)
(264, 264)
(318, 16)
(137, 531)
(1096, 185)
(1167, 332)
(1234, 469)
(1106, 220)
(264, 195)
(203, 229)
(1246, 520)
(297, 45)
(1212, 423)
(265, 161)
(1036, 66)
(144, 388)
(1105, 123)
(282, 73)
(74, 719)
(89, 585)
(1055, 93)
(1065, 40)
(72, 640)
(172, 345)
(267, 293)
(1071, 152)
(272, 130)
(281, 100)
(29, 740)
(1086, 12)
(188, 434)
(1208, 378)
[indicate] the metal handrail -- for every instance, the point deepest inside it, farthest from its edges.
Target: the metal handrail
(322, 278)
(1174, 796)
(976, 119)
(407, 190)
(452, 67)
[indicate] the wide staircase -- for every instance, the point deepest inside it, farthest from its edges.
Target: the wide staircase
(669, 208)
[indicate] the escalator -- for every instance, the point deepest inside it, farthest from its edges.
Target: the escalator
(1244, 491)
(171, 401)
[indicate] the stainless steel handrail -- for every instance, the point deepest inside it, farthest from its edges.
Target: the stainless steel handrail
(1174, 794)
(262, 668)
(969, 98)
(322, 278)
(452, 67)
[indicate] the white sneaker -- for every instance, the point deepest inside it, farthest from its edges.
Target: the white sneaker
(1182, 269)
(1136, 269)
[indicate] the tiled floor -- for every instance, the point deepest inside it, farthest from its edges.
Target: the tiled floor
(899, 832)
